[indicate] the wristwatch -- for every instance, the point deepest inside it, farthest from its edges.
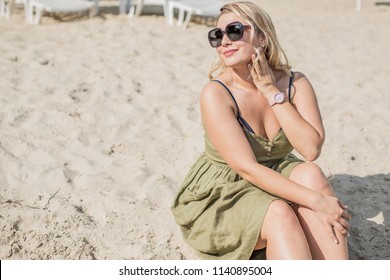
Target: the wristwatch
(277, 98)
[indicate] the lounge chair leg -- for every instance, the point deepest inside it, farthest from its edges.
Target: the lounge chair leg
(123, 6)
(92, 12)
(180, 18)
(187, 19)
(358, 5)
(38, 15)
(2, 7)
(7, 8)
(96, 7)
(28, 12)
(136, 9)
(140, 7)
(131, 12)
(170, 13)
(166, 11)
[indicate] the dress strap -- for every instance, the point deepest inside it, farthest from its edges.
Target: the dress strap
(240, 119)
(290, 97)
(230, 93)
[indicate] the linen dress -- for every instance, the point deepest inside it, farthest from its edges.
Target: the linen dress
(220, 213)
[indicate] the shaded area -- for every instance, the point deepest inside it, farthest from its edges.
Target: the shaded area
(370, 224)
(382, 3)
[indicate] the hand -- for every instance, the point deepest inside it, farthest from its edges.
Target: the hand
(261, 72)
(332, 213)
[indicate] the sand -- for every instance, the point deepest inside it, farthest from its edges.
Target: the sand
(100, 122)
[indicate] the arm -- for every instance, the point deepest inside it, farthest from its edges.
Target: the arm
(303, 124)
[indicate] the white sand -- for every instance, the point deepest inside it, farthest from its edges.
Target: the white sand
(99, 123)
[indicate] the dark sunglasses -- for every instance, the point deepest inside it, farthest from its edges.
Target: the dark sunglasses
(234, 31)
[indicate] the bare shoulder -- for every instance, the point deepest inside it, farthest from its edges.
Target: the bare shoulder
(303, 90)
(214, 95)
(211, 90)
(299, 77)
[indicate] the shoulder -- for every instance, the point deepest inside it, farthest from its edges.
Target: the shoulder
(301, 81)
(214, 96)
(300, 77)
(302, 88)
(214, 92)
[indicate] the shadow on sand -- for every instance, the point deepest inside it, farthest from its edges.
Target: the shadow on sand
(383, 3)
(368, 199)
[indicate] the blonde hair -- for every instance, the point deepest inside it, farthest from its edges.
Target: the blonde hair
(261, 25)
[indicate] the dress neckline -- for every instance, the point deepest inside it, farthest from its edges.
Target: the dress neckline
(280, 131)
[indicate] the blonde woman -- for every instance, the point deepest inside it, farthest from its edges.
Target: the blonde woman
(247, 192)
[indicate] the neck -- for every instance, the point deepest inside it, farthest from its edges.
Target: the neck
(242, 76)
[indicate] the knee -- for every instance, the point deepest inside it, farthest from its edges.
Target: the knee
(280, 221)
(311, 176)
(282, 215)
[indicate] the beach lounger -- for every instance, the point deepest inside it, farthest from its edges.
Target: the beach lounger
(6, 7)
(136, 6)
(188, 8)
(35, 8)
(122, 5)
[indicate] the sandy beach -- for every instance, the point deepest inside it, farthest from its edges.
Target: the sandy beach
(100, 122)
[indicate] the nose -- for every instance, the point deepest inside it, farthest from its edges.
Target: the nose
(225, 40)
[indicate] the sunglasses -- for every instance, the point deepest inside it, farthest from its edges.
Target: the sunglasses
(234, 31)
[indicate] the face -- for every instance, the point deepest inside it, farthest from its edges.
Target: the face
(234, 53)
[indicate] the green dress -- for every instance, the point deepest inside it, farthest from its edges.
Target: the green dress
(220, 213)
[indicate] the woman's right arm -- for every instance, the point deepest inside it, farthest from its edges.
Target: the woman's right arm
(219, 119)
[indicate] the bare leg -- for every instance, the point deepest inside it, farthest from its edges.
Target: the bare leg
(282, 234)
(321, 245)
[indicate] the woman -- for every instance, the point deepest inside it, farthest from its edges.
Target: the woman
(247, 192)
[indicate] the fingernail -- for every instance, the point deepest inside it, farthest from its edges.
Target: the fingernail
(336, 241)
(348, 234)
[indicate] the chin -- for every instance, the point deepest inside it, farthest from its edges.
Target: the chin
(236, 61)
(235, 64)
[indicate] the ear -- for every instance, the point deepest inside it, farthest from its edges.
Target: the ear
(260, 41)
(263, 41)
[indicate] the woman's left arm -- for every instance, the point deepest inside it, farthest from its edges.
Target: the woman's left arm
(302, 123)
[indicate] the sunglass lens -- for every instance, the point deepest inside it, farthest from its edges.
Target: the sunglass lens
(215, 37)
(234, 31)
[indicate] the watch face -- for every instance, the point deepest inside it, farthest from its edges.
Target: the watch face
(279, 97)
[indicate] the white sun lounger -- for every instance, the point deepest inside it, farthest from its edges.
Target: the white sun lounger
(35, 8)
(7, 5)
(188, 8)
(136, 6)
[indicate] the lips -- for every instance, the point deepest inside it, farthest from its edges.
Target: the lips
(229, 52)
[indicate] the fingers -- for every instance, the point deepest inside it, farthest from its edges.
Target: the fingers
(346, 215)
(340, 228)
(262, 59)
(341, 225)
(260, 71)
(260, 62)
(332, 234)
